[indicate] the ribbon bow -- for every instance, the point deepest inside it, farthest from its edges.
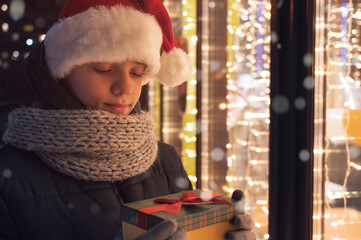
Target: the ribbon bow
(190, 199)
(173, 206)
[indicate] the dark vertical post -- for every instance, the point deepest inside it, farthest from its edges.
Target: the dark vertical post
(217, 92)
(212, 33)
(199, 96)
(161, 113)
(291, 127)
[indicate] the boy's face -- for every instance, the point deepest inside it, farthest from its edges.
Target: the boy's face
(113, 87)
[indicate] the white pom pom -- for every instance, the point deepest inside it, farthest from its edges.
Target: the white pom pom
(175, 67)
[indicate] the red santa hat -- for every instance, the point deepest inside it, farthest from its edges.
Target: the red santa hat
(114, 31)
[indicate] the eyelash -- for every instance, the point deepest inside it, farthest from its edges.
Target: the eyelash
(137, 74)
(102, 71)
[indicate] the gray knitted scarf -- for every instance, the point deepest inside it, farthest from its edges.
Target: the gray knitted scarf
(91, 145)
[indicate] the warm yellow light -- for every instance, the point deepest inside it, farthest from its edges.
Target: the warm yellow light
(248, 68)
(222, 106)
(5, 27)
(189, 13)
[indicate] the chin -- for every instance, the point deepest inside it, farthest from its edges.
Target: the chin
(123, 113)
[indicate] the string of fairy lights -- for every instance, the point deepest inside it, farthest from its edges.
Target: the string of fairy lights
(338, 61)
(188, 131)
(248, 80)
(189, 31)
(248, 75)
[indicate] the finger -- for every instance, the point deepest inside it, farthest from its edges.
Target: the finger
(243, 221)
(241, 235)
(180, 234)
(161, 231)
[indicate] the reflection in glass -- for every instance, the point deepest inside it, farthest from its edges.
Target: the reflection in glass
(248, 105)
(337, 152)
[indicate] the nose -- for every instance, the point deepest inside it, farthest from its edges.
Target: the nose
(122, 84)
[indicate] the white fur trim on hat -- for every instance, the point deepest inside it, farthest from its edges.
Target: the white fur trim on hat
(176, 67)
(104, 34)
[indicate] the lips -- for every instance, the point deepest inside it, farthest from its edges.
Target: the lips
(118, 107)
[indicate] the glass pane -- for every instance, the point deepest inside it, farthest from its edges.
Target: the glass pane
(337, 161)
(248, 81)
(174, 108)
(213, 91)
(232, 80)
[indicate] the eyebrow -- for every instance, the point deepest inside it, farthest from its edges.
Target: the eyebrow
(140, 63)
(143, 64)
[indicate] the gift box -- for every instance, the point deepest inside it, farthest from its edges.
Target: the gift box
(204, 215)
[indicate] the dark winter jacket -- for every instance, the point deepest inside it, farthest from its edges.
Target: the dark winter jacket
(37, 202)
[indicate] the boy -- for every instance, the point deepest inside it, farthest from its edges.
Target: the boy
(76, 145)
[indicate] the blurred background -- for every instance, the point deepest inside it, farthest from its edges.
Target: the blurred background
(219, 120)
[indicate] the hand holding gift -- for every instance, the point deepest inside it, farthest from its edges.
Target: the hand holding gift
(202, 215)
(243, 221)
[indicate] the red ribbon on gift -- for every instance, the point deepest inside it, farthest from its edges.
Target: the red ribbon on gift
(173, 206)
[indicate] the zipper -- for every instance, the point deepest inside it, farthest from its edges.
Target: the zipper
(115, 188)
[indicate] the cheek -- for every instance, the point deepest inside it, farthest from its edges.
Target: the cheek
(89, 93)
(93, 94)
(139, 91)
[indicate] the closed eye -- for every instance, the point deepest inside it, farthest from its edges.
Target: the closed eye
(136, 74)
(102, 70)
